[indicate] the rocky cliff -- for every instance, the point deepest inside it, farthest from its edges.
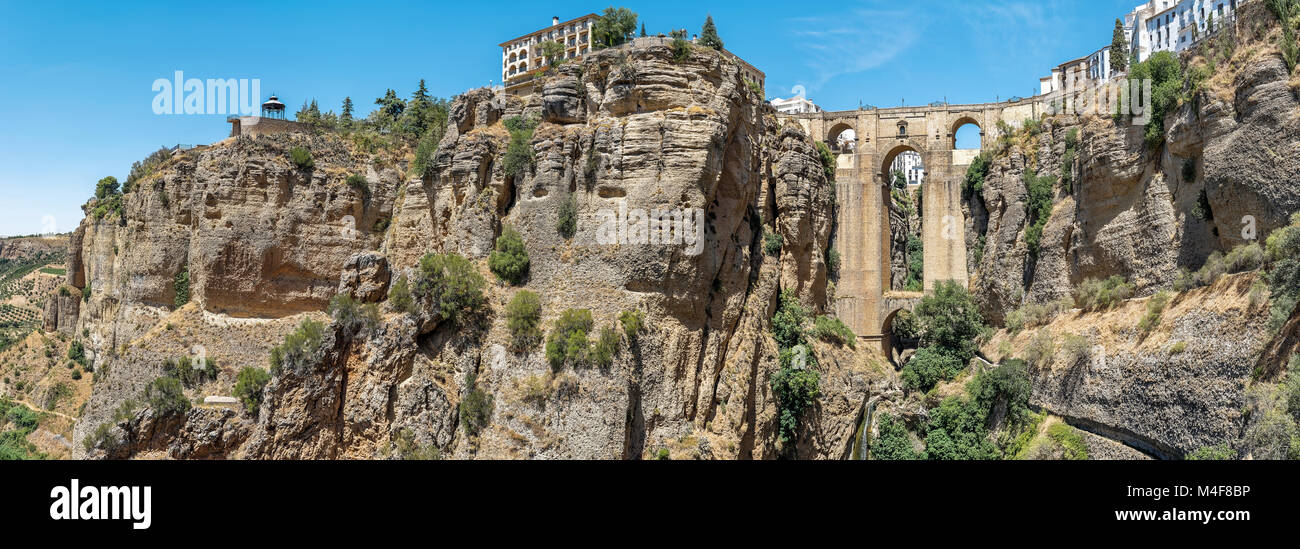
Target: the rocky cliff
(263, 243)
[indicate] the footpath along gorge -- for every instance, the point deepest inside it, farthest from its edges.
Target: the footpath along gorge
(454, 295)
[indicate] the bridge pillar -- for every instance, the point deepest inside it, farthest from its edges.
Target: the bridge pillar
(863, 243)
(943, 232)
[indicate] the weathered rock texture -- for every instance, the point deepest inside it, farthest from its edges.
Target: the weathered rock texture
(624, 130)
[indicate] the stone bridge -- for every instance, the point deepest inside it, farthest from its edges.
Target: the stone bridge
(862, 181)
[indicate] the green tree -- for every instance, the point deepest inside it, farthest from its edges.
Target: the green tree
(709, 35)
(552, 51)
(509, 260)
(643, 30)
(957, 432)
(614, 27)
(892, 443)
(346, 117)
(106, 187)
(928, 367)
(248, 387)
(950, 319)
(1118, 48)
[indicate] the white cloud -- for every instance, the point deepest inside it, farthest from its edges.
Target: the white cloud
(855, 41)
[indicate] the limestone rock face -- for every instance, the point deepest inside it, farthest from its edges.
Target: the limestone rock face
(365, 277)
(624, 137)
(61, 311)
(1131, 209)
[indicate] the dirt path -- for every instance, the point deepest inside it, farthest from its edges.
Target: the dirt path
(36, 409)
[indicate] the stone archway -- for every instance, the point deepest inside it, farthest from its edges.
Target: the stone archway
(842, 129)
(958, 124)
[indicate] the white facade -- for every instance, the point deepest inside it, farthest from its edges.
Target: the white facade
(1175, 25)
(909, 162)
(524, 54)
(795, 105)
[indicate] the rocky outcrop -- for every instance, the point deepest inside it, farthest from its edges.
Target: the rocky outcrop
(61, 309)
(365, 277)
(623, 134)
(1133, 210)
(1168, 392)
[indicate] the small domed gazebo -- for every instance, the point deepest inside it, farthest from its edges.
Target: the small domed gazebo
(273, 108)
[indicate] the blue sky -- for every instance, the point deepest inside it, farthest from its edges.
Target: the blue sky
(75, 78)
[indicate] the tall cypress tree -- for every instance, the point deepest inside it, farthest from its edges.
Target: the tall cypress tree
(347, 109)
(1118, 49)
(643, 30)
(709, 35)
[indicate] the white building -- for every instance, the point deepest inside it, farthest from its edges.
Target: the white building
(1175, 25)
(1158, 25)
(909, 162)
(524, 54)
(795, 105)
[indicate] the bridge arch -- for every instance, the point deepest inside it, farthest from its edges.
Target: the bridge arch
(889, 157)
(961, 123)
(845, 130)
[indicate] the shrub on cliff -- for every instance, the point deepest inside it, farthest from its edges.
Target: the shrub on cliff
(476, 408)
(399, 296)
(509, 260)
(566, 222)
(602, 353)
(828, 160)
(181, 285)
(681, 50)
(451, 285)
(632, 322)
(352, 316)
(567, 341)
(796, 385)
(834, 330)
(166, 397)
(519, 158)
(300, 348)
(787, 323)
(523, 319)
(772, 243)
(1041, 192)
(248, 387)
(359, 183)
(301, 158)
(1100, 295)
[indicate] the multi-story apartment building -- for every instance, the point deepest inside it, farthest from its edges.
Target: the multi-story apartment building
(1175, 25)
(522, 55)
